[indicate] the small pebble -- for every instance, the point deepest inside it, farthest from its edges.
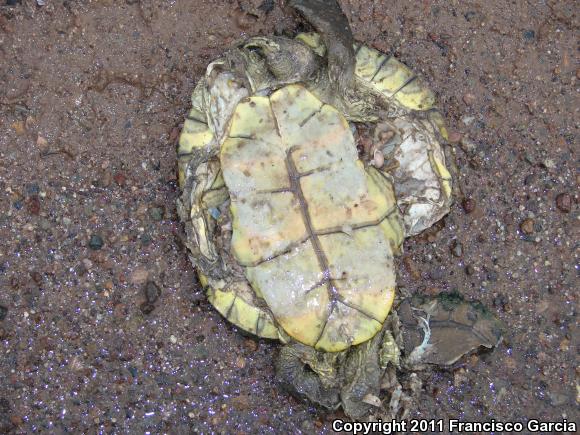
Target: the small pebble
(152, 292)
(468, 120)
(549, 163)
(436, 274)
(470, 15)
(139, 276)
(145, 239)
(32, 189)
(240, 362)
(468, 146)
(557, 399)
(96, 242)
(88, 264)
(460, 377)
(147, 308)
(267, 6)
(245, 21)
(529, 35)
(527, 226)
(16, 420)
(564, 202)
(173, 339)
(3, 312)
(120, 179)
(469, 99)
(251, 345)
(500, 301)
(156, 213)
(411, 267)
(492, 276)
(45, 224)
(42, 143)
(36, 277)
(468, 205)
(105, 179)
(378, 159)
(454, 136)
(456, 248)
(511, 363)
(174, 135)
(19, 128)
(33, 205)
(430, 290)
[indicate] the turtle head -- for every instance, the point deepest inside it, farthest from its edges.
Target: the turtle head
(288, 60)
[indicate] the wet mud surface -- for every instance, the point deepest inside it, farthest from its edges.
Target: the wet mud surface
(91, 99)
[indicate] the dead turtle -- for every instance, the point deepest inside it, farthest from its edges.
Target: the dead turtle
(293, 229)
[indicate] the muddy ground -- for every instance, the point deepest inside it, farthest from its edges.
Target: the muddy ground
(92, 97)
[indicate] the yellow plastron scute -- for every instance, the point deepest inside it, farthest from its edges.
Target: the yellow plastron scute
(315, 231)
(195, 134)
(383, 73)
(237, 303)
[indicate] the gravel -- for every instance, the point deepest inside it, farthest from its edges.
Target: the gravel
(95, 89)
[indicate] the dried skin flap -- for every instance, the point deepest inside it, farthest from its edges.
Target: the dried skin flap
(455, 328)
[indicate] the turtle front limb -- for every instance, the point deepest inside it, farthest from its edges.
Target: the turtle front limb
(329, 20)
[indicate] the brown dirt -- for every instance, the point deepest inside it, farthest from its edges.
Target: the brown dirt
(92, 96)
